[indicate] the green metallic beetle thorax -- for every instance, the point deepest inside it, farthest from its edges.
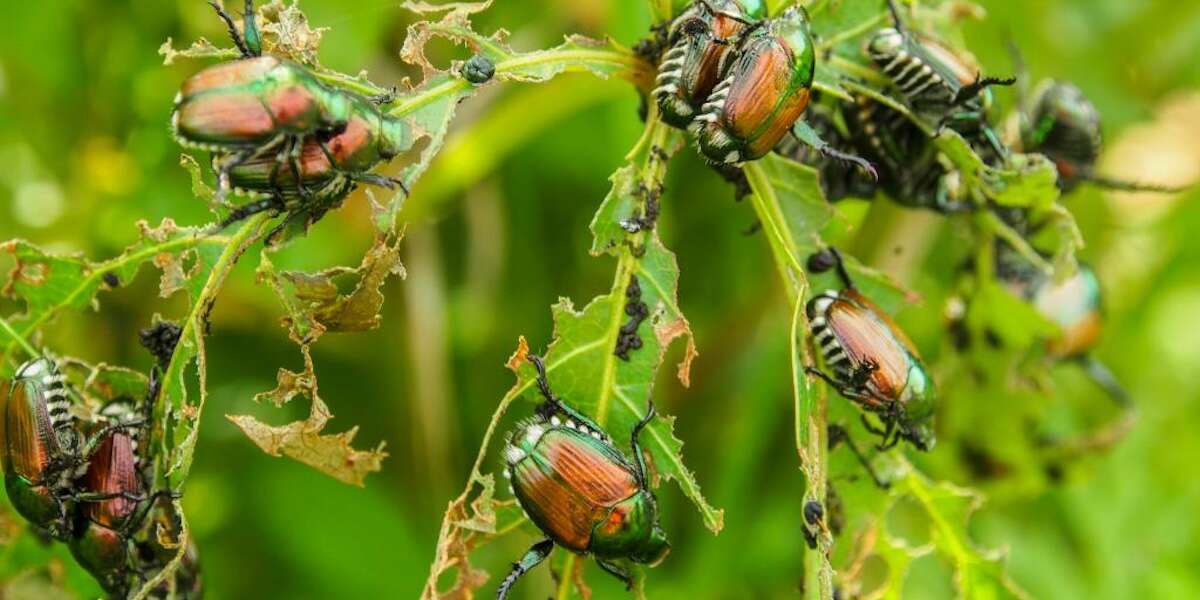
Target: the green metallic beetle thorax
(631, 531)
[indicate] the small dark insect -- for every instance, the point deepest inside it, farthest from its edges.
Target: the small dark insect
(111, 279)
(479, 69)
(813, 513)
(627, 338)
(160, 339)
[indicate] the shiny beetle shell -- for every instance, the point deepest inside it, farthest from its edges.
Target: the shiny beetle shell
(101, 542)
(251, 102)
(1074, 305)
(1065, 126)
(41, 447)
(871, 357)
(581, 491)
(327, 162)
(698, 40)
(765, 87)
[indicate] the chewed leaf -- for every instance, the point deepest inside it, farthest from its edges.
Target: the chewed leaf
(587, 374)
(286, 32)
(200, 48)
(48, 284)
(978, 573)
(314, 303)
(303, 441)
(430, 107)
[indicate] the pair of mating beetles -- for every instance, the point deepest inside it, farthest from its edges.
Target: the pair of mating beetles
(83, 483)
(588, 497)
(277, 130)
(740, 81)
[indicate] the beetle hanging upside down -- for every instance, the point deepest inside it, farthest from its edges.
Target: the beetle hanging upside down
(582, 492)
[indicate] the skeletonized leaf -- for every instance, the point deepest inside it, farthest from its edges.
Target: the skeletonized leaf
(48, 284)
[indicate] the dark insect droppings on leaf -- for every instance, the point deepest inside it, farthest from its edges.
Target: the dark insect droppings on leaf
(160, 339)
(627, 338)
(111, 279)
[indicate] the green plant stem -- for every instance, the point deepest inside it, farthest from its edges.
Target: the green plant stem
(109, 266)
(17, 339)
(567, 59)
(809, 401)
(192, 330)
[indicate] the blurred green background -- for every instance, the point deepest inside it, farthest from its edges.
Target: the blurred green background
(498, 231)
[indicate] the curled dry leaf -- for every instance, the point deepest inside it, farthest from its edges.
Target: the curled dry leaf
(314, 303)
(303, 441)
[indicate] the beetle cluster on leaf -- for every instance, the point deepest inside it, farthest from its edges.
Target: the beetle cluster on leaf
(85, 482)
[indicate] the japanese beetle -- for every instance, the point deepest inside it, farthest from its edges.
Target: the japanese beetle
(100, 542)
(911, 170)
(766, 84)
(42, 448)
(245, 105)
(698, 40)
(1064, 125)
(580, 490)
(936, 83)
(329, 165)
(268, 119)
(1075, 305)
(873, 363)
(765, 87)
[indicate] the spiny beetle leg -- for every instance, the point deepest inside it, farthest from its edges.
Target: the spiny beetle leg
(534, 557)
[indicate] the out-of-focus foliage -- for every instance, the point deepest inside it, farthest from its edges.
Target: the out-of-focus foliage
(499, 230)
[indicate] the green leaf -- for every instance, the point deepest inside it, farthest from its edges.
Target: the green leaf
(49, 284)
(978, 573)
(314, 303)
(430, 107)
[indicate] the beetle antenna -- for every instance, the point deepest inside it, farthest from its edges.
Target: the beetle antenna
(637, 447)
(1119, 185)
(543, 382)
(233, 32)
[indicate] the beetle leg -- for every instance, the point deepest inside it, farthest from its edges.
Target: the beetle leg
(636, 447)
(841, 388)
(1100, 374)
(94, 441)
(246, 210)
(1130, 186)
(553, 404)
(973, 89)
(870, 427)
(616, 571)
(838, 434)
(379, 180)
(250, 34)
(532, 558)
(896, 21)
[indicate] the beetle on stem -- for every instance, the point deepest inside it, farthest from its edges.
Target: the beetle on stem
(874, 364)
(582, 492)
